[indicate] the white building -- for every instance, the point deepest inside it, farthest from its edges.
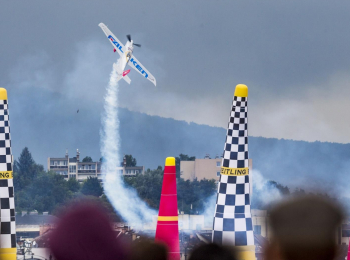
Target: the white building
(74, 168)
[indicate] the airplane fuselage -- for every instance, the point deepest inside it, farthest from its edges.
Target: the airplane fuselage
(127, 55)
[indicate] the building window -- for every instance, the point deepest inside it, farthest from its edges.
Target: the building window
(218, 174)
(72, 168)
(218, 164)
(257, 230)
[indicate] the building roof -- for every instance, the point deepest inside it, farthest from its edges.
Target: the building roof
(74, 159)
(35, 219)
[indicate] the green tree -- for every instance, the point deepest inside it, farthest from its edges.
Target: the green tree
(22, 201)
(194, 193)
(148, 186)
(130, 161)
(73, 185)
(185, 195)
(284, 190)
(87, 159)
(25, 169)
(92, 186)
(299, 192)
(102, 202)
(44, 193)
(114, 216)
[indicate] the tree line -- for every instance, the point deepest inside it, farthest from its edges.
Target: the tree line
(47, 191)
(43, 191)
(191, 196)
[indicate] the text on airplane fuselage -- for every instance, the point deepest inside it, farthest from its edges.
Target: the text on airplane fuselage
(116, 43)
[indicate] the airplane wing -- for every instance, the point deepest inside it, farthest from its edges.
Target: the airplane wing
(135, 64)
(117, 45)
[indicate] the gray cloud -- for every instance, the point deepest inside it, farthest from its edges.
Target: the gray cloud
(292, 55)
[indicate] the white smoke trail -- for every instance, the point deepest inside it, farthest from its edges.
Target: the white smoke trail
(125, 200)
(209, 210)
(265, 192)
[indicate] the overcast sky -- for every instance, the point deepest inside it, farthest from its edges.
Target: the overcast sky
(293, 55)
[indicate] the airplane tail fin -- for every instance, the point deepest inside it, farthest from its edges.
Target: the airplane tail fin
(122, 74)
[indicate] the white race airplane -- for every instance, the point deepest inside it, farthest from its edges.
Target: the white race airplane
(126, 57)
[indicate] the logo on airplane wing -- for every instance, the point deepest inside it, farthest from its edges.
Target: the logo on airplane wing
(137, 66)
(116, 43)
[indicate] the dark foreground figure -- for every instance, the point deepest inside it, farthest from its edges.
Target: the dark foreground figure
(85, 233)
(304, 228)
(212, 252)
(148, 250)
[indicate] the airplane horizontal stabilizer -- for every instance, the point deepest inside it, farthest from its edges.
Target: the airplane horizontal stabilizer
(127, 79)
(119, 77)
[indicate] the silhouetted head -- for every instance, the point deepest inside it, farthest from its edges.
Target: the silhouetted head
(148, 250)
(212, 252)
(304, 228)
(85, 233)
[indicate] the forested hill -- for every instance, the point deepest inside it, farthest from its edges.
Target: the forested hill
(151, 139)
(294, 163)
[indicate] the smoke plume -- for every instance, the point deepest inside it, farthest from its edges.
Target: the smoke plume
(262, 191)
(125, 200)
(262, 194)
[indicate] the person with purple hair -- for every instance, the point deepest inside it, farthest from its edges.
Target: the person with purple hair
(85, 233)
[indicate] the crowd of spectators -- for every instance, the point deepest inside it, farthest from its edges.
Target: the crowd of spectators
(303, 228)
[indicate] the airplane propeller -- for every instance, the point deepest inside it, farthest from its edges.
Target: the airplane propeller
(129, 39)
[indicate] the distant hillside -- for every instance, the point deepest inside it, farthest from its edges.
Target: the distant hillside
(50, 128)
(151, 138)
(319, 164)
